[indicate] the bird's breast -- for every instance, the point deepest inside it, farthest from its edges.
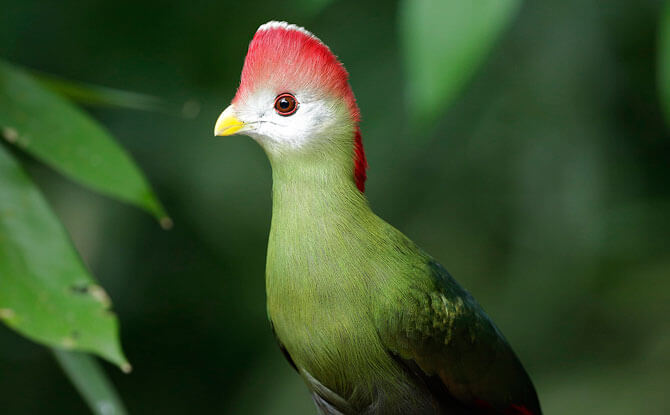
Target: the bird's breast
(324, 319)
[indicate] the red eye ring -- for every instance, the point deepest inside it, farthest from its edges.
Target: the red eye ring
(286, 104)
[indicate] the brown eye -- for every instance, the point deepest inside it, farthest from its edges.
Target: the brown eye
(286, 104)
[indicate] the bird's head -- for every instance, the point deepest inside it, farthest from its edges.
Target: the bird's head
(294, 98)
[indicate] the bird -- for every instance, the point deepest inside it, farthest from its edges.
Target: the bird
(370, 321)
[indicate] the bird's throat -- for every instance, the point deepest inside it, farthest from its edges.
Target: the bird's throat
(315, 184)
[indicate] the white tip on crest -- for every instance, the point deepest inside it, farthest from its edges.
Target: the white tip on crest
(286, 26)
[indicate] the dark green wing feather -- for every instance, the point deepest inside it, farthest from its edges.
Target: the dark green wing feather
(446, 335)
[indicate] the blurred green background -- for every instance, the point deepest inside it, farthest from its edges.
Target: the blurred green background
(544, 187)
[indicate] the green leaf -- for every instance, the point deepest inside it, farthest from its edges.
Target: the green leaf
(444, 41)
(91, 382)
(57, 133)
(664, 60)
(46, 293)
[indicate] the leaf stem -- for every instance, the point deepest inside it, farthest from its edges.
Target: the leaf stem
(89, 378)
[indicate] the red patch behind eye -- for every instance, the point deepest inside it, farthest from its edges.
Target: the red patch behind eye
(284, 58)
(360, 162)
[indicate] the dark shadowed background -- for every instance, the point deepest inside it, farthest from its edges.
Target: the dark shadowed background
(543, 187)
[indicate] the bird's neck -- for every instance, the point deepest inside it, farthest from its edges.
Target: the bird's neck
(315, 187)
(321, 225)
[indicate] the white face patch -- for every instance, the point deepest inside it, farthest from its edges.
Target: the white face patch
(317, 118)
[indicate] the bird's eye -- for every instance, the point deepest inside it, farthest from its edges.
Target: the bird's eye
(286, 104)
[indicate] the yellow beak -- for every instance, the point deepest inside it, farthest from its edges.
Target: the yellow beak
(228, 123)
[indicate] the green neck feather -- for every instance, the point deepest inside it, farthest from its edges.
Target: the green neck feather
(320, 224)
(314, 181)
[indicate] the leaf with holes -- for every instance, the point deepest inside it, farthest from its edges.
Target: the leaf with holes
(444, 41)
(47, 126)
(46, 292)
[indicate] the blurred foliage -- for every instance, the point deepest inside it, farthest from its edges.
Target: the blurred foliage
(664, 60)
(444, 42)
(46, 292)
(94, 95)
(544, 188)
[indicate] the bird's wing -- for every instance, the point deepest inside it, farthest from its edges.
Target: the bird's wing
(442, 336)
